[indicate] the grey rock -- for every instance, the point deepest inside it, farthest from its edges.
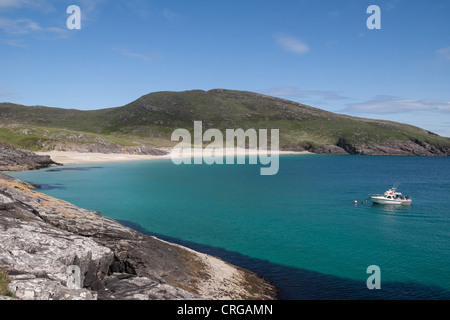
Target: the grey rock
(47, 289)
(6, 203)
(12, 159)
(141, 288)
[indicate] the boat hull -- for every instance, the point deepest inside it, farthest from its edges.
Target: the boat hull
(382, 200)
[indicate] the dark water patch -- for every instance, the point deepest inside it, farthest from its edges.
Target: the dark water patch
(72, 169)
(301, 284)
(44, 187)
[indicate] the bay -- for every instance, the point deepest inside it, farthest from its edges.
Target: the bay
(299, 229)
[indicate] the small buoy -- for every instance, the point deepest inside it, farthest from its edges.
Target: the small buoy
(356, 202)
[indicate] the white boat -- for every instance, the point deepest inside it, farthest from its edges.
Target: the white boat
(391, 197)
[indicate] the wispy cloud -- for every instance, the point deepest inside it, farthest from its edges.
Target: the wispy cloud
(14, 23)
(89, 9)
(42, 5)
(444, 53)
(131, 54)
(7, 92)
(294, 92)
(291, 44)
(24, 26)
(19, 26)
(388, 105)
(170, 14)
(13, 43)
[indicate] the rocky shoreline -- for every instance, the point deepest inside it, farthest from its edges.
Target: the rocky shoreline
(388, 148)
(12, 159)
(53, 250)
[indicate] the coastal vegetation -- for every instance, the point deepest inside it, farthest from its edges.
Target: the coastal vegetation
(4, 281)
(150, 120)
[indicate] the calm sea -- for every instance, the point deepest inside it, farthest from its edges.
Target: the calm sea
(300, 228)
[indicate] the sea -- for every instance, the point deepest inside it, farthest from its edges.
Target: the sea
(300, 229)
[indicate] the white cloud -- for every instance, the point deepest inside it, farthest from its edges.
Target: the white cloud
(294, 92)
(24, 26)
(19, 26)
(7, 92)
(170, 15)
(88, 9)
(444, 53)
(14, 43)
(10, 3)
(41, 5)
(292, 44)
(389, 105)
(131, 54)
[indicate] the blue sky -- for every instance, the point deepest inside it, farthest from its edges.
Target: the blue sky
(317, 52)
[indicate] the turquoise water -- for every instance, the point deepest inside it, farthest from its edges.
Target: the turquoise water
(299, 228)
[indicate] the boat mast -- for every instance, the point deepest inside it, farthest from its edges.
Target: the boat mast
(394, 188)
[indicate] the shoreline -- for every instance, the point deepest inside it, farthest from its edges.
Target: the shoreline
(73, 157)
(117, 262)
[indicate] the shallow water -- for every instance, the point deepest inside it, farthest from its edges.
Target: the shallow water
(299, 228)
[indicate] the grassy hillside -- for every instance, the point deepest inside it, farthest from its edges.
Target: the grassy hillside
(151, 119)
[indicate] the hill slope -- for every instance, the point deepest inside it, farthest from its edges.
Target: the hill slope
(150, 120)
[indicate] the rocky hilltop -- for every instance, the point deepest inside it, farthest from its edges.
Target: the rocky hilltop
(51, 249)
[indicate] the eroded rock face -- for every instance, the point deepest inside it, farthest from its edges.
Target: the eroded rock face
(52, 249)
(12, 159)
(404, 148)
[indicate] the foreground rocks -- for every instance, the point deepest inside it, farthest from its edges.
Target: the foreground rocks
(52, 249)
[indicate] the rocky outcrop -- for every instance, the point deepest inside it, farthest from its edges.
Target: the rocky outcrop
(395, 147)
(12, 159)
(390, 147)
(402, 147)
(52, 249)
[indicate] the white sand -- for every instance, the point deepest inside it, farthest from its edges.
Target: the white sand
(72, 157)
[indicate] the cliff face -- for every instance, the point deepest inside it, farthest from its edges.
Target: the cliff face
(52, 249)
(391, 147)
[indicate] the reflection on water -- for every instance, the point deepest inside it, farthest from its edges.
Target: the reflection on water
(391, 209)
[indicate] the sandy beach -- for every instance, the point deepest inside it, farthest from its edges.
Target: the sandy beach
(72, 157)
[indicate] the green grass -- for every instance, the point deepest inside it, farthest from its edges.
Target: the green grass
(4, 281)
(152, 118)
(35, 138)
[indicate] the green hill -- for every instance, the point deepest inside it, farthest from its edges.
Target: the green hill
(150, 120)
